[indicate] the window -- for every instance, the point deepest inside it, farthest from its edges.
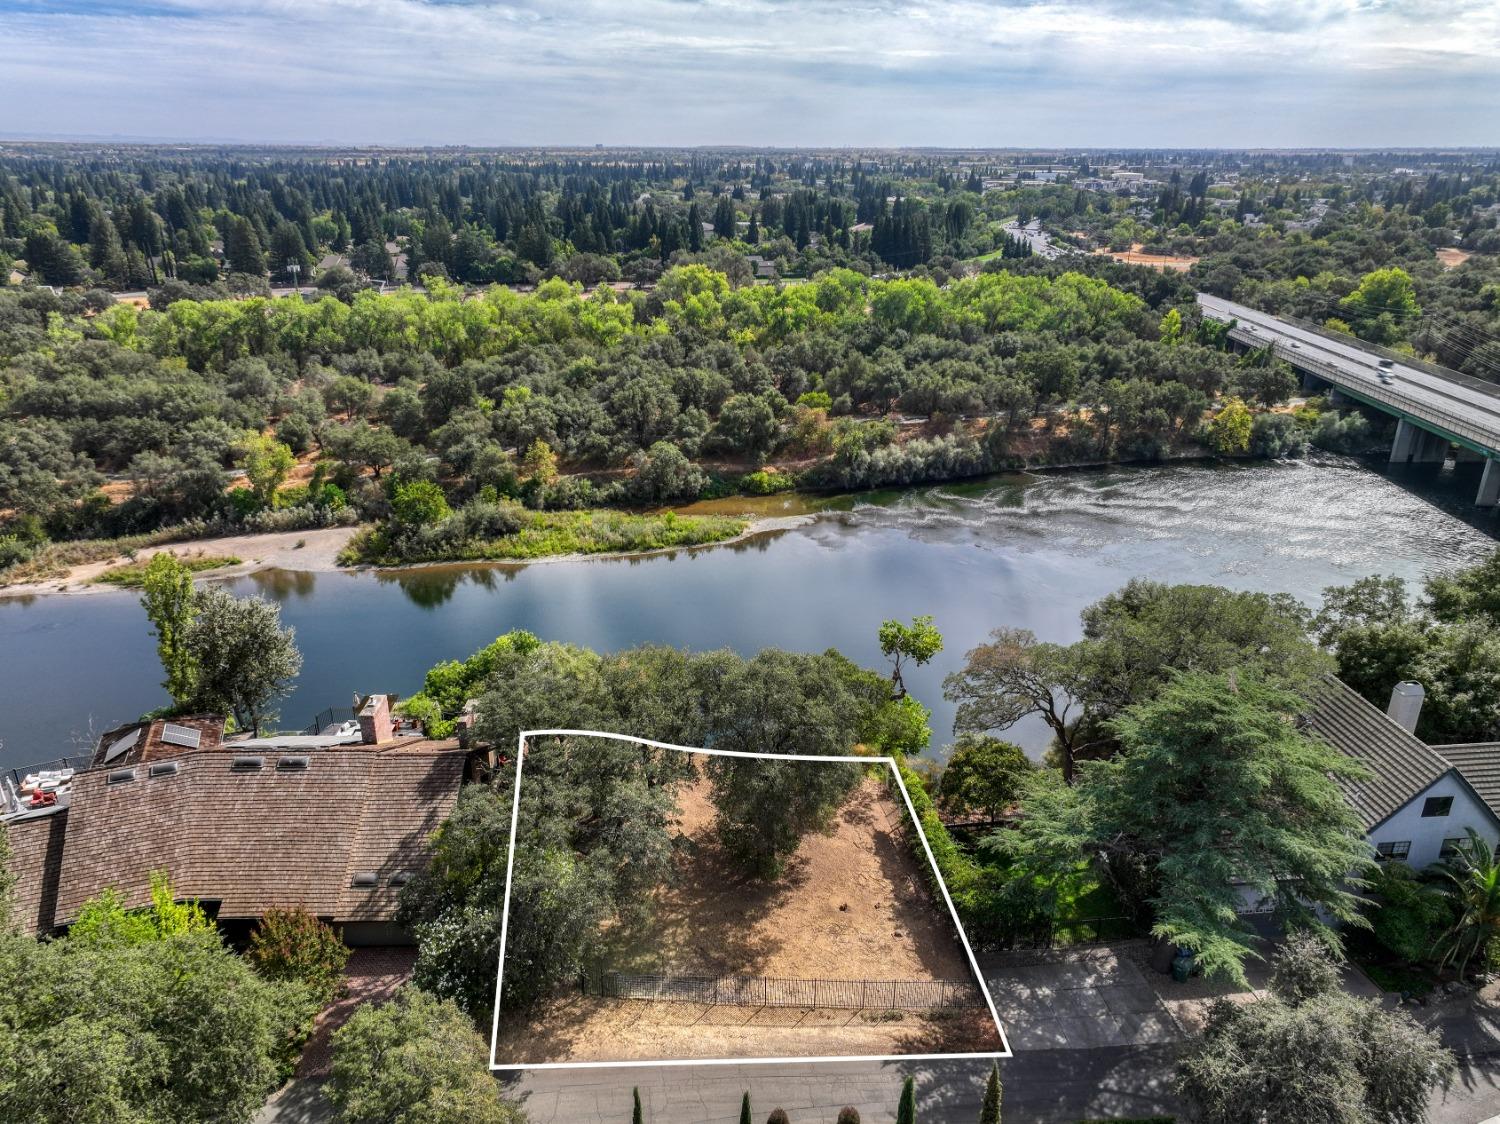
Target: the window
(1437, 806)
(1450, 848)
(1387, 852)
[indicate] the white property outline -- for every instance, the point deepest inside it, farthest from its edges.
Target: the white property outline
(510, 860)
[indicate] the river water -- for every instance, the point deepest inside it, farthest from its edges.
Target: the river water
(1017, 551)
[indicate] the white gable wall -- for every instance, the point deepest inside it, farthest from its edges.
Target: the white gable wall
(1426, 833)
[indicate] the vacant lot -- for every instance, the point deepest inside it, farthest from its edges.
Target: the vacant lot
(852, 904)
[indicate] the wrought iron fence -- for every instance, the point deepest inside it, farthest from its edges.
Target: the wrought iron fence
(767, 991)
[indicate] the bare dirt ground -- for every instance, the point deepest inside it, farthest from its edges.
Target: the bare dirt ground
(852, 904)
(1452, 257)
(315, 550)
(1135, 256)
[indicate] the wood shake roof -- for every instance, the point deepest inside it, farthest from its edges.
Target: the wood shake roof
(36, 846)
(253, 839)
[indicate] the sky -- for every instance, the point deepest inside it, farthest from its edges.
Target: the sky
(808, 73)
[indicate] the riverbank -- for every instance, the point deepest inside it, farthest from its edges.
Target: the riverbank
(319, 551)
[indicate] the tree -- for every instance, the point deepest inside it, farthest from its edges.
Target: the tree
(1410, 913)
(636, 1116)
(244, 659)
(1215, 796)
(267, 464)
(167, 596)
(152, 1022)
(917, 642)
(848, 1115)
(1229, 431)
(1472, 881)
(747, 424)
(983, 774)
(1310, 1054)
(242, 249)
(419, 503)
(414, 1060)
(1013, 676)
(745, 1110)
(540, 463)
(989, 1111)
(292, 944)
(1382, 305)
(906, 1109)
(1171, 328)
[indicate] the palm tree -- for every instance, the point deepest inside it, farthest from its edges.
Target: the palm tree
(1472, 876)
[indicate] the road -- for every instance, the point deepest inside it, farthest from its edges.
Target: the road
(1465, 406)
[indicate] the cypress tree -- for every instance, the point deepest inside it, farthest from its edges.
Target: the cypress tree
(990, 1112)
(745, 1110)
(906, 1111)
(636, 1116)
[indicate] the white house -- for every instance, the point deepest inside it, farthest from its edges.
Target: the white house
(1420, 801)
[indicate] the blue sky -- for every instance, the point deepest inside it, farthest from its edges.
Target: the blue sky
(1127, 73)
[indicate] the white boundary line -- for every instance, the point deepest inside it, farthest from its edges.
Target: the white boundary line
(515, 812)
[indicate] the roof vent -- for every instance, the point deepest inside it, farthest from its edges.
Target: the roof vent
(163, 769)
(297, 763)
(247, 764)
(121, 776)
(400, 878)
(367, 878)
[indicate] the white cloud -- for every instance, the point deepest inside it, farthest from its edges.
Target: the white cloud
(946, 72)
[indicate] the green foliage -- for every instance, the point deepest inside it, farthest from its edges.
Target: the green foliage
(1209, 750)
(267, 463)
(906, 1108)
(1472, 881)
(150, 1020)
(419, 503)
(636, 1115)
(848, 1115)
(983, 774)
(243, 659)
(989, 1110)
(292, 944)
(1229, 431)
(167, 596)
(1409, 914)
(745, 1110)
(1310, 1054)
(917, 642)
(132, 575)
(778, 1116)
(414, 1060)
(899, 726)
(1382, 305)
(763, 483)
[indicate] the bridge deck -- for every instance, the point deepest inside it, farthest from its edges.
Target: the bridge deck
(1463, 407)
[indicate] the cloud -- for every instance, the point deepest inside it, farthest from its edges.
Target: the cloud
(808, 72)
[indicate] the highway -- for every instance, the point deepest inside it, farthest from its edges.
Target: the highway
(1456, 405)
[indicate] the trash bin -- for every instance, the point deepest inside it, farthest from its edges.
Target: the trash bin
(1183, 965)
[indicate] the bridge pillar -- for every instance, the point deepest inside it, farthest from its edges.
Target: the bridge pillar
(1489, 485)
(1311, 384)
(1414, 445)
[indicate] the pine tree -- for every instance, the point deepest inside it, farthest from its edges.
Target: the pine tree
(636, 1116)
(745, 1110)
(242, 249)
(906, 1111)
(990, 1112)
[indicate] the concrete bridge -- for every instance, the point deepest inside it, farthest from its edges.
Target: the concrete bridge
(1437, 408)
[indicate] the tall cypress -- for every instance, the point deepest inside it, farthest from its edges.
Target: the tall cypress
(636, 1117)
(990, 1112)
(745, 1110)
(906, 1111)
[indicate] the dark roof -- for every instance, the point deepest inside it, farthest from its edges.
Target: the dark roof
(148, 744)
(253, 839)
(1479, 764)
(1402, 766)
(36, 846)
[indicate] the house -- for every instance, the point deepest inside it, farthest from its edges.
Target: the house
(335, 822)
(1420, 801)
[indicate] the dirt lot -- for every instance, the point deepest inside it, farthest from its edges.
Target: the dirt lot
(1135, 256)
(1452, 257)
(851, 905)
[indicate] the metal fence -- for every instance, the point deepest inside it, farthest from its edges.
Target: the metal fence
(330, 719)
(766, 991)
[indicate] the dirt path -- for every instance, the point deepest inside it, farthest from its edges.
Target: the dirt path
(315, 550)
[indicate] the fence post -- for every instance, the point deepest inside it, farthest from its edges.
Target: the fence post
(864, 987)
(765, 991)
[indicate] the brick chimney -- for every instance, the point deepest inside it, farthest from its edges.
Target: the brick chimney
(375, 724)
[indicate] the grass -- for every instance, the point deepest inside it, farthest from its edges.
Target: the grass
(549, 534)
(55, 559)
(132, 574)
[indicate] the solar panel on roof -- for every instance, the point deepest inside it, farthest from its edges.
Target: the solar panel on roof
(121, 745)
(184, 736)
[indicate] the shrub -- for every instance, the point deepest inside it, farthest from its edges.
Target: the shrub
(292, 944)
(848, 1114)
(778, 1116)
(763, 483)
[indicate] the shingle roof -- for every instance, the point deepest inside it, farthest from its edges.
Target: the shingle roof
(1479, 764)
(36, 846)
(262, 838)
(1402, 765)
(149, 745)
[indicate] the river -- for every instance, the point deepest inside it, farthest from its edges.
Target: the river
(1019, 551)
